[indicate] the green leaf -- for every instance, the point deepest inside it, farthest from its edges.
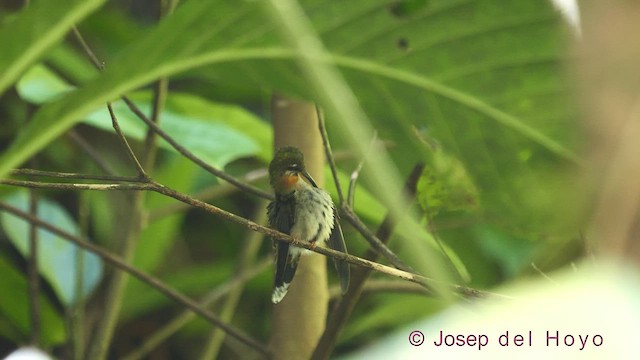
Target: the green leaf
(56, 256)
(14, 310)
(38, 27)
(482, 77)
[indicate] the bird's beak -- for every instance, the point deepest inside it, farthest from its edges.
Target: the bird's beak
(309, 178)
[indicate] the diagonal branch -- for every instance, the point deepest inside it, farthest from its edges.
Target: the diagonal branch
(123, 140)
(148, 279)
(276, 235)
(189, 155)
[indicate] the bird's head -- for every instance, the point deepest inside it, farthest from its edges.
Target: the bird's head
(286, 168)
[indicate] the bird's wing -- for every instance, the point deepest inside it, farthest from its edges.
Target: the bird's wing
(336, 242)
(281, 217)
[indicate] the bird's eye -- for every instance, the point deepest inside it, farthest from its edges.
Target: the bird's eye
(294, 167)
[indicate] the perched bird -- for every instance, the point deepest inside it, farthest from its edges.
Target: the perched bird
(305, 212)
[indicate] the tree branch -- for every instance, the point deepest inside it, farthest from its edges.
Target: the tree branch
(76, 176)
(276, 235)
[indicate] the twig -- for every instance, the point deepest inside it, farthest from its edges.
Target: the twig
(356, 173)
(537, 269)
(76, 176)
(148, 279)
(92, 56)
(347, 211)
(189, 155)
(159, 99)
(34, 280)
(123, 140)
(328, 153)
(155, 339)
(78, 186)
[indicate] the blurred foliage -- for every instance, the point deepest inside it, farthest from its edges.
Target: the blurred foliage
(471, 88)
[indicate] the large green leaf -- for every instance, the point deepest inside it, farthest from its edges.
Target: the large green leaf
(39, 26)
(57, 257)
(479, 76)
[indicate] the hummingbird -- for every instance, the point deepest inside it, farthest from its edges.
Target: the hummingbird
(304, 211)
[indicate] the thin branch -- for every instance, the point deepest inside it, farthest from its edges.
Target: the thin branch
(276, 235)
(356, 173)
(351, 195)
(329, 153)
(123, 140)
(159, 99)
(76, 176)
(189, 155)
(537, 269)
(146, 278)
(78, 186)
(34, 279)
(152, 341)
(92, 56)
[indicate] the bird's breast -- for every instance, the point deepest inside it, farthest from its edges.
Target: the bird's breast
(314, 216)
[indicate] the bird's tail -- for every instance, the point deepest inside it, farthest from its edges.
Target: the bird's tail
(286, 265)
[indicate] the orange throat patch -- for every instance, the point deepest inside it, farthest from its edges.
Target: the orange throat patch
(288, 182)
